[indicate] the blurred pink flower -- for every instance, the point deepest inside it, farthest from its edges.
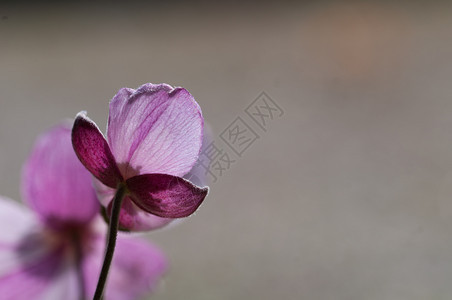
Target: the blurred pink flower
(154, 138)
(55, 250)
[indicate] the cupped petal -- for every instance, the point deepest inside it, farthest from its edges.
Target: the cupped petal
(155, 129)
(133, 218)
(137, 268)
(93, 151)
(165, 195)
(54, 182)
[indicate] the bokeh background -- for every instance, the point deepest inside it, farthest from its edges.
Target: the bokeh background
(348, 195)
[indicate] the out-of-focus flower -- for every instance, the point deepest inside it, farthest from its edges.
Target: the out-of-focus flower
(55, 250)
(154, 138)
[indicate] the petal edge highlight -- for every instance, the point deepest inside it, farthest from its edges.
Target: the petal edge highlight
(165, 195)
(155, 129)
(93, 151)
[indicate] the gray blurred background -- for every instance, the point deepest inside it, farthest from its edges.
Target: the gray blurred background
(347, 195)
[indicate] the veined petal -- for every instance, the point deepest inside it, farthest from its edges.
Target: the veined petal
(54, 182)
(155, 129)
(165, 195)
(136, 269)
(133, 218)
(93, 151)
(198, 174)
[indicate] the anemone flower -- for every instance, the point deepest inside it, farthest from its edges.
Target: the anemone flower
(154, 138)
(55, 250)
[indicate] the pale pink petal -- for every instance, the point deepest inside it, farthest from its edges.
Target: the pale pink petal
(66, 285)
(198, 174)
(21, 238)
(104, 193)
(29, 260)
(93, 151)
(165, 195)
(32, 279)
(133, 218)
(136, 270)
(54, 182)
(16, 221)
(155, 129)
(31, 248)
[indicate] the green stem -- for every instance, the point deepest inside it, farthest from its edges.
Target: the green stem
(111, 241)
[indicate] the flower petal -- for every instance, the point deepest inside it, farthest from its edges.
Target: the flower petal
(28, 262)
(155, 129)
(93, 151)
(54, 182)
(136, 269)
(15, 222)
(31, 280)
(66, 285)
(133, 218)
(104, 193)
(21, 238)
(165, 195)
(198, 174)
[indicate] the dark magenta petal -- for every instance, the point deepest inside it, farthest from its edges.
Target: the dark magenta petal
(54, 182)
(93, 151)
(165, 195)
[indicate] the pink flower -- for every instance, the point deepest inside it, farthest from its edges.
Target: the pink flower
(154, 138)
(55, 250)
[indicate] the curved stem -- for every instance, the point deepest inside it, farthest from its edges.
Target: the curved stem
(111, 242)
